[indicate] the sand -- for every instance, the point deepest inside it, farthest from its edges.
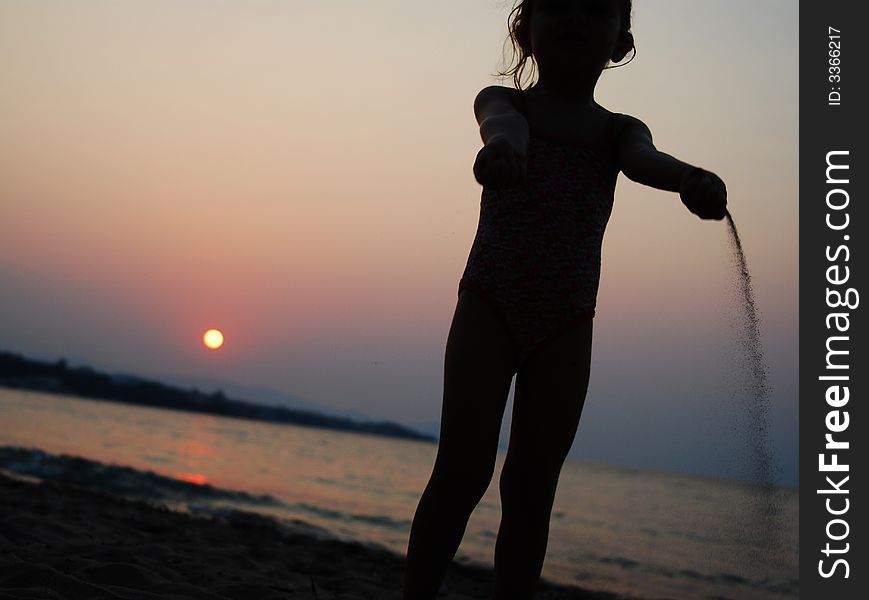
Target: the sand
(62, 541)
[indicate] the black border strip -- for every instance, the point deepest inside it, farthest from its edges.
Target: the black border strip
(826, 127)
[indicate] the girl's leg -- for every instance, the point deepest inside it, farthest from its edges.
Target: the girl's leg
(478, 370)
(550, 393)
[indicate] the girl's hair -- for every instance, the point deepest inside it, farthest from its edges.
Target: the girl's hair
(519, 22)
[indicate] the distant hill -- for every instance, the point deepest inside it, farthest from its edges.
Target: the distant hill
(57, 377)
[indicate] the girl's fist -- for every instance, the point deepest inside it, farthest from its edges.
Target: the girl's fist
(500, 165)
(704, 194)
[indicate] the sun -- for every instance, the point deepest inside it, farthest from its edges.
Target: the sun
(213, 339)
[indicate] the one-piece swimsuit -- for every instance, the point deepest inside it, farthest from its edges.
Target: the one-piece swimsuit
(536, 255)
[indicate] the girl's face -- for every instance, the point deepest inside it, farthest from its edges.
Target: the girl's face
(574, 35)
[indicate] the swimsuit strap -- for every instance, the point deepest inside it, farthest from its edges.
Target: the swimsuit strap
(520, 105)
(609, 133)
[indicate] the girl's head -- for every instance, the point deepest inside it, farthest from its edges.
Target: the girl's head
(568, 34)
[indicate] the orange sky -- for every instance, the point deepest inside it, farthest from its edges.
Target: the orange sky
(299, 175)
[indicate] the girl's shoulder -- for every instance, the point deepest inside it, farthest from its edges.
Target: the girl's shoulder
(628, 121)
(497, 97)
(628, 128)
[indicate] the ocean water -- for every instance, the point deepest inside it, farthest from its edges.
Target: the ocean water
(641, 533)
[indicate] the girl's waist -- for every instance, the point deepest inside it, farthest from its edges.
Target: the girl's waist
(538, 198)
(519, 240)
(548, 260)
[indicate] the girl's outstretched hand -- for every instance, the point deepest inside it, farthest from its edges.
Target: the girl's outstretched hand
(704, 193)
(499, 165)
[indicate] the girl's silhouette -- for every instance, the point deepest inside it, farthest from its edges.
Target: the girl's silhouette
(548, 168)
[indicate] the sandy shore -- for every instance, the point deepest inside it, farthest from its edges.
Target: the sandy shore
(61, 541)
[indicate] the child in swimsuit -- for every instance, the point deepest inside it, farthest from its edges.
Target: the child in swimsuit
(526, 299)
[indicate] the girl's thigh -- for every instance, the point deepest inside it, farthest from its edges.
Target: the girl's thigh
(478, 372)
(550, 392)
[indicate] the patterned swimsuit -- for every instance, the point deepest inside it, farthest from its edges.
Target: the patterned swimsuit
(536, 255)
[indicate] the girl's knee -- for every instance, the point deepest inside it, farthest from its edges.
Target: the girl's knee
(465, 481)
(528, 486)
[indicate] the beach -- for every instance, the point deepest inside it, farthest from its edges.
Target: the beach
(630, 533)
(63, 541)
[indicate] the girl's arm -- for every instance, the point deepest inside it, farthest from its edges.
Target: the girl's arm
(498, 117)
(501, 162)
(701, 191)
(640, 161)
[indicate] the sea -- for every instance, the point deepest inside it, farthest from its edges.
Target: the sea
(641, 533)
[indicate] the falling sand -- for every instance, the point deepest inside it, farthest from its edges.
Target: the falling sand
(759, 527)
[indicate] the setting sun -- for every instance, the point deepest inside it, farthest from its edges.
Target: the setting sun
(213, 339)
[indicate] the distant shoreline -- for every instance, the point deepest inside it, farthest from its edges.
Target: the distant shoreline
(19, 372)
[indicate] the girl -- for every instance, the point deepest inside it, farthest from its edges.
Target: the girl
(548, 168)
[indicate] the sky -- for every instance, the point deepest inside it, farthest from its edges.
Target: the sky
(298, 175)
